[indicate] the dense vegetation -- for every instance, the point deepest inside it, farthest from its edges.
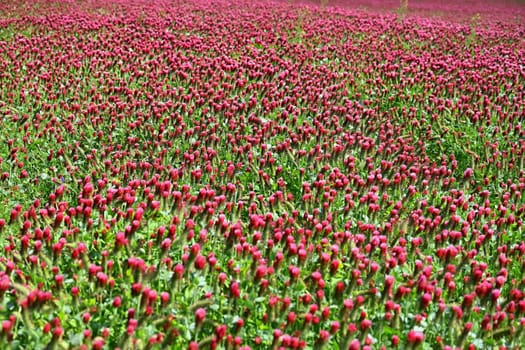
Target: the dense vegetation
(261, 175)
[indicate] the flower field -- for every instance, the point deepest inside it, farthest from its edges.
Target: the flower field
(262, 175)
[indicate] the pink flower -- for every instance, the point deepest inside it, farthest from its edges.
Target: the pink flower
(6, 326)
(395, 340)
(295, 272)
(58, 332)
(200, 262)
(415, 337)
(495, 294)
(164, 297)
(117, 301)
(365, 324)
(426, 299)
(200, 315)
(235, 290)
(102, 278)
(354, 345)
(323, 336)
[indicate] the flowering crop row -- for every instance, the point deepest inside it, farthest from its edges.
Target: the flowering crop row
(260, 175)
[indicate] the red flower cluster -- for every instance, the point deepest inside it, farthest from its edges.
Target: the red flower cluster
(239, 174)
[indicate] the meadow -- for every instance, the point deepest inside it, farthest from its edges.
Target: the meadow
(262, 175)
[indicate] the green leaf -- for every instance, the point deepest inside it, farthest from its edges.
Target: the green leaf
(76, 339)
